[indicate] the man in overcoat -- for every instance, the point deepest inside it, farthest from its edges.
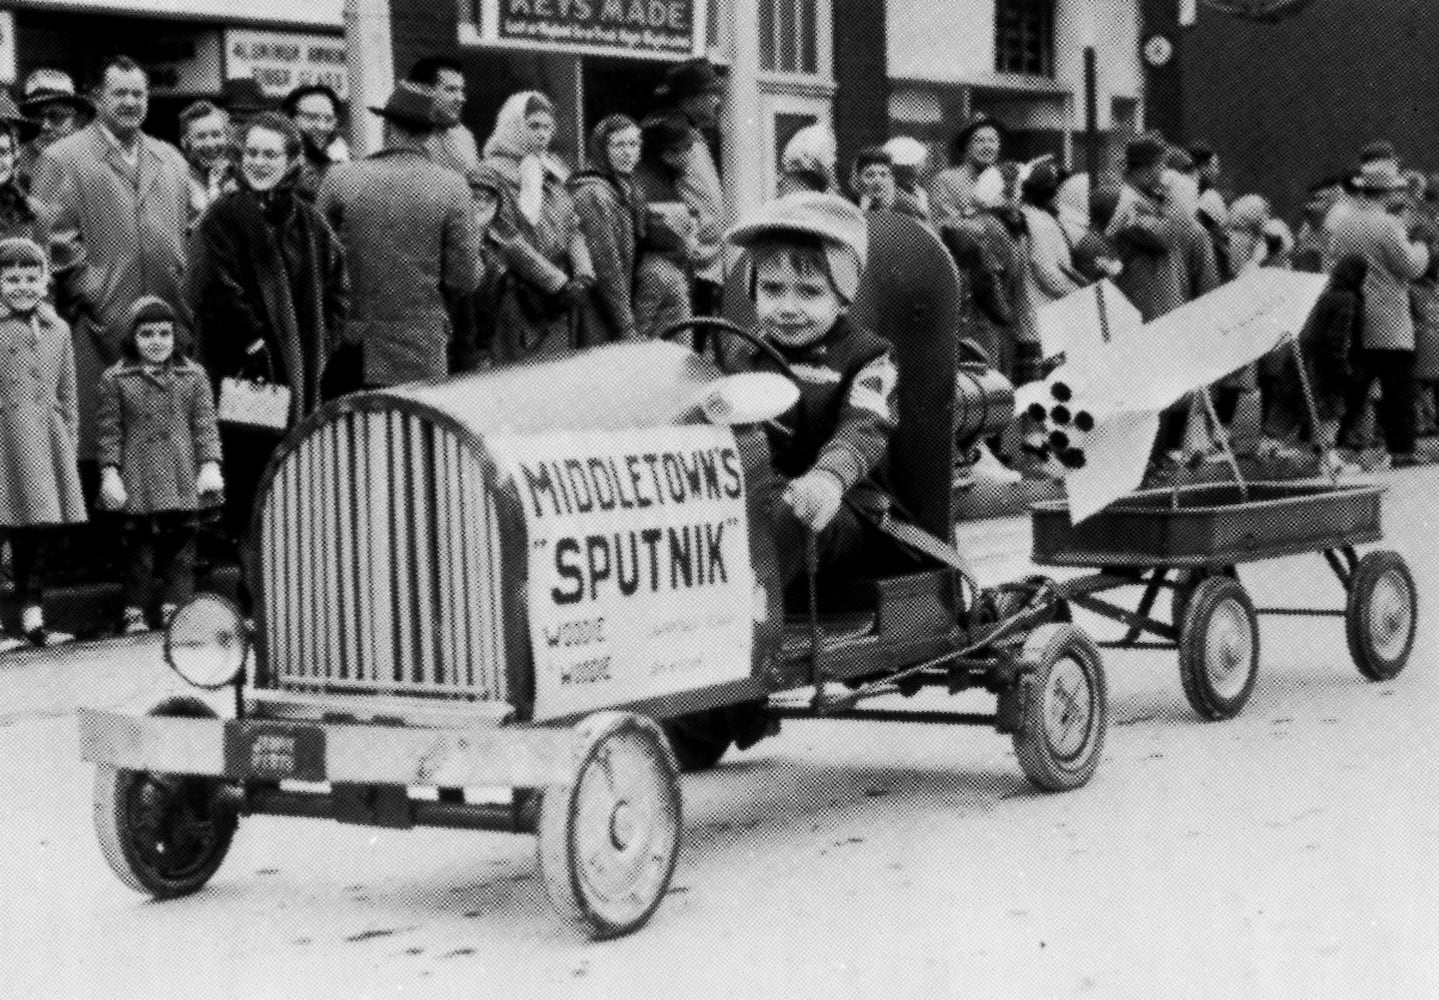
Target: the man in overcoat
(130, 196)
(412, 244)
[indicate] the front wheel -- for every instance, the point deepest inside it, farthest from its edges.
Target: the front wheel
(1381, 615)
(161, 833)
(1065, 708)
(608, 841)
(1219, 648)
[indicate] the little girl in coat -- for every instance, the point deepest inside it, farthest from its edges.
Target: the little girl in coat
(158, 449)
(39, 429)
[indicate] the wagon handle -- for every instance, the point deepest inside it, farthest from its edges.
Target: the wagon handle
(1320, 449)
(1222, 436)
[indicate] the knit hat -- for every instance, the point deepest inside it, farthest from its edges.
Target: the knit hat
(150, 309)
(839, 225)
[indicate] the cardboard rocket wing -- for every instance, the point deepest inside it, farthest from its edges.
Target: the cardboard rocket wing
(1120, 385)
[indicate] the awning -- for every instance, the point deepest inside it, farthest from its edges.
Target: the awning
(297, 13)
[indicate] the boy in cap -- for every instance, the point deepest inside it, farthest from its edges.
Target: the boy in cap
(806, 252)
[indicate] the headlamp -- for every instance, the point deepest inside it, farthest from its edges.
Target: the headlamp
(207, 642)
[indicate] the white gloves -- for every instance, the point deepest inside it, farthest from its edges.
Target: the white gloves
(209, 481)
(815, 498)
(112, 489)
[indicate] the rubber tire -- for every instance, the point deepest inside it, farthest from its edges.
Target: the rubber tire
(1367, 575)
(698, 741)
(1212, 593)
(1044, 649)
(560, 853)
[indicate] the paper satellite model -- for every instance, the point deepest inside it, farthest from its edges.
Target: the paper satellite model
(1099, 410)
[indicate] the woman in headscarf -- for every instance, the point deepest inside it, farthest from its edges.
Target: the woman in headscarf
(536, 308)
(612, 220)
(269, 291)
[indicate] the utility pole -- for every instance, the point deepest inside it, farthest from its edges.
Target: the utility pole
(370, 59)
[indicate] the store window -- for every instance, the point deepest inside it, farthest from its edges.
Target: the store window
(1024, 37)
(789, 32)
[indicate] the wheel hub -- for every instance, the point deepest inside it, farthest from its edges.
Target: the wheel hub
(1067, 708)
(1230, 649)
(1390, 616)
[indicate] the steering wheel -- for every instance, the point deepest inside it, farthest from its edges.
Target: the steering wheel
(718, 323)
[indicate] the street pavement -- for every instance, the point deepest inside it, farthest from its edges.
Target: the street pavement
(1290, 852)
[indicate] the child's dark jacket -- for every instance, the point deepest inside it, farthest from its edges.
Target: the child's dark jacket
(846, 411)
(157, 428)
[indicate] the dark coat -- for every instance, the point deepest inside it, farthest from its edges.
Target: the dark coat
(268, 269)
(532, 320)
(39, 482)
(611, 215)
(664, 272)
(157, 428)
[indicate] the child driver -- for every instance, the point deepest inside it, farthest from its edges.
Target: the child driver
(806, 255)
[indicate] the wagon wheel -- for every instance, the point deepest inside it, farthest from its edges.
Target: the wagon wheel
(608, 840)
(1066, 710)
(162, 834)
(1219, 648)
(1184, 585)
(1381, 615)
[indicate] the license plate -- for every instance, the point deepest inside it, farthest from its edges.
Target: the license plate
(279, 753)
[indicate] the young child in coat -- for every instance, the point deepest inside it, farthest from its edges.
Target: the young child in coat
(806, 255)
(39, 428)
(159, 454)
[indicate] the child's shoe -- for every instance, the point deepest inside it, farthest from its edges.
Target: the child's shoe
(133, 622)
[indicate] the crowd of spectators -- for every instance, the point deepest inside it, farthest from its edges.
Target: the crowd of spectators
(273, 258)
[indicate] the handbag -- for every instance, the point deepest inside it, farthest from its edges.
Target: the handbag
(255, 402)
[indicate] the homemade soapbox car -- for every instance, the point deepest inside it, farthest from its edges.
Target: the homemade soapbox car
(556, 579)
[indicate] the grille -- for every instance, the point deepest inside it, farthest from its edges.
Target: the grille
(381, 564)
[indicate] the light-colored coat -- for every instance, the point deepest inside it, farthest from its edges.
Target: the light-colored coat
(39, 481)
(1394, 263)
(412, 246)
(157, 428)
(132, 222)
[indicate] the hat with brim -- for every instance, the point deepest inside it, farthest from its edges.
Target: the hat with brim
(10, 117)
(838, 224)
(690, 79)
(1380, 177)
(243, 96)
(411, 107)
(960, 145)
(47, 86)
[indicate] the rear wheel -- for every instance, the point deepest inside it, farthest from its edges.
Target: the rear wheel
(1219, 648)
(1065, 708)
(608, 841)
(1381, 615)
(163, 834)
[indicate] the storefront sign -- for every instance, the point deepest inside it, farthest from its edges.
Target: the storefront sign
(646, 28)
(280, 61)
(639, 574)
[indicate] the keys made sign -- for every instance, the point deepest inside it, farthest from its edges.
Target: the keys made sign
(644, 28)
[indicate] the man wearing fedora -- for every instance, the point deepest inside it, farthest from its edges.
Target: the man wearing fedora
(1372, 230)
(412, 244)
(694, 91)
(975, 149)
(48, 97)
